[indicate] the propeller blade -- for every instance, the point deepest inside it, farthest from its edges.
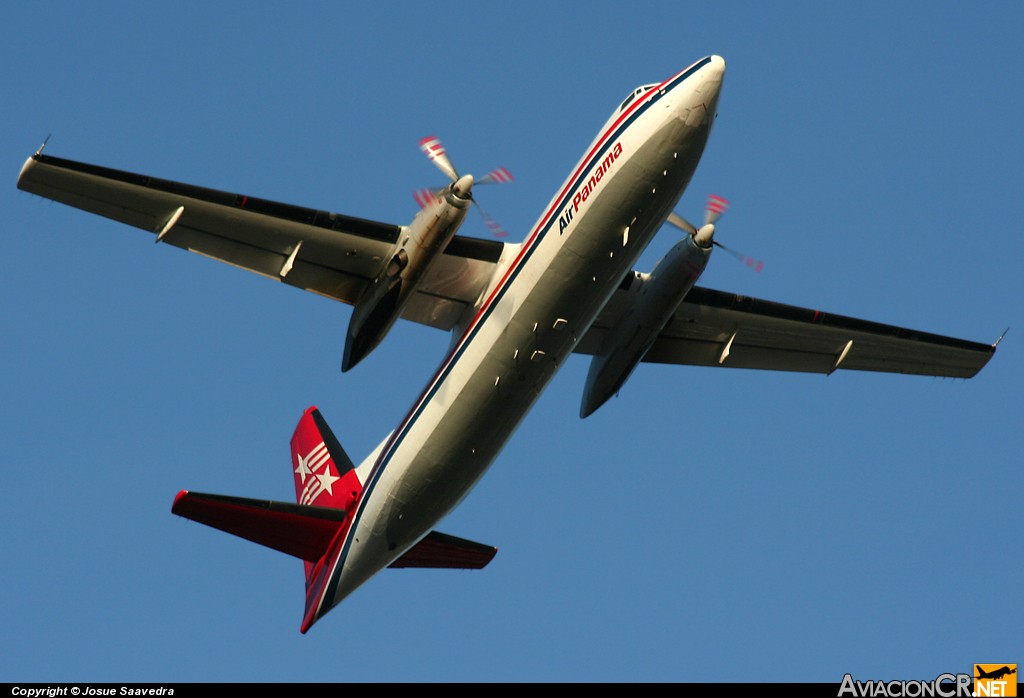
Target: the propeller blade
(498, 176)
(434, 149)
(681, 223)
(755, 264)
(716, 207)
(424, 197)
(493, 225)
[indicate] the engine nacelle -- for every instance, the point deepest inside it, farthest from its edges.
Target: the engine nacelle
(420, 244)
(654, 305)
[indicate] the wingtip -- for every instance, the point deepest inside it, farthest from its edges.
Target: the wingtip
(177, 499)
(31, 158)
(25, 168)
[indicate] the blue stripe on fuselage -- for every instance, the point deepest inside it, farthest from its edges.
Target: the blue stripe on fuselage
(616, 130)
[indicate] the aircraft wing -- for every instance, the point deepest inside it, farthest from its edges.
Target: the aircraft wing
(712, 328)
(327, 253)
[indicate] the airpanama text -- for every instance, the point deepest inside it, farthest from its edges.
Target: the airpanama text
(587, 189)
(944, 686)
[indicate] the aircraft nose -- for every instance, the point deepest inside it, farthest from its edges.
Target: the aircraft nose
(705, 95)
(716, 68)
(711, 77)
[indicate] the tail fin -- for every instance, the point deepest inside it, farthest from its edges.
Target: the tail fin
(327, 490)
(326, 487)
(324, 474)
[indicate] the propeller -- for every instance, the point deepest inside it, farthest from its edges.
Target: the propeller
(704, 236)
(435, 150)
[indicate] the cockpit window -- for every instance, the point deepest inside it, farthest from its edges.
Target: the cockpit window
(634, 94)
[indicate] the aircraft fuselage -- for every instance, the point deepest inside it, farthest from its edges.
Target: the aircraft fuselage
(545, 294)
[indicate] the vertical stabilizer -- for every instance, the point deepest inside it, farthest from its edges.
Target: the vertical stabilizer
(324, 474)
(328, 490)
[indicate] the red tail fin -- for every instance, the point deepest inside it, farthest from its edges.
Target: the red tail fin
(328, 491)
(324, 474)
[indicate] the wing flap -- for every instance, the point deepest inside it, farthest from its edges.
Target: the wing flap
(442, 551)
(304, 532)
(316, 277)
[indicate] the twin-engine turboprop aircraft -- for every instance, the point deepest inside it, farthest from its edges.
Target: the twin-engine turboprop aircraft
(515, 311)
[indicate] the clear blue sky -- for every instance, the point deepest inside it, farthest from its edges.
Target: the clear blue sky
(705, 525)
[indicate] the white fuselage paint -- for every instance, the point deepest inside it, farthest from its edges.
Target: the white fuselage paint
(545, 294)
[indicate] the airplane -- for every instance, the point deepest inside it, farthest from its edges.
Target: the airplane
(995, 674)
(515, 312)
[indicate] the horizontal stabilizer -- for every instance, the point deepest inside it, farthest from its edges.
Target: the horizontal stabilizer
(304, 532)
(439, 550)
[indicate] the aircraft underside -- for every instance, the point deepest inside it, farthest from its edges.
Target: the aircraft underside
(484, 395)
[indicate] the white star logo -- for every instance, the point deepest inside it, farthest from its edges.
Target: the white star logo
(315, 483)
(327, 481)
(303, 470)
(312, 460)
